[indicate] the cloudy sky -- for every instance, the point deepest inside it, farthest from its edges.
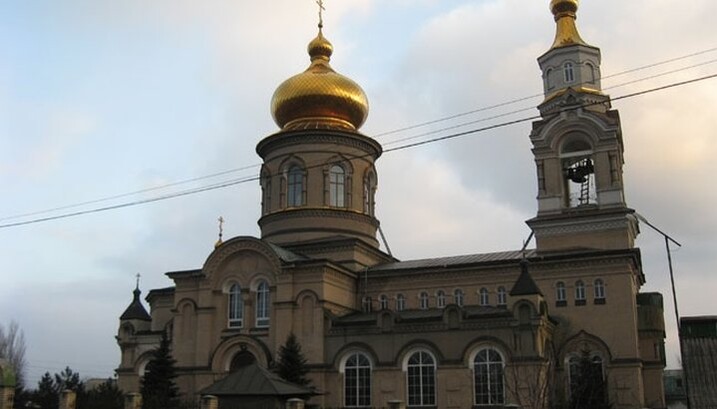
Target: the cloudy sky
(104, 98)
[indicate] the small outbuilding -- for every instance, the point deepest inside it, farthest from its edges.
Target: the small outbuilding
(254, 387)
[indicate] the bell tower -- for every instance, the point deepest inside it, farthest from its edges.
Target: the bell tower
(578, 149)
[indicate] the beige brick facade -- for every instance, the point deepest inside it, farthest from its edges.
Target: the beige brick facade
(486, 330)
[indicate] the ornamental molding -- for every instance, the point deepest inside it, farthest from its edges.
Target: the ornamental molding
(581, 227)
(349, 139)
(236, 245)
(314, 212)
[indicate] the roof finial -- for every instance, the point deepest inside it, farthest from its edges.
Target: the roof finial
(221, 232)
(321, 13)
(138, 276)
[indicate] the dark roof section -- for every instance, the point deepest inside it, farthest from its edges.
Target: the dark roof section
(525, 285)
(454, 261)
(253, 380)
(136, 310)
(430, 314)
(184, 273)
(284, 254)
(699, 353)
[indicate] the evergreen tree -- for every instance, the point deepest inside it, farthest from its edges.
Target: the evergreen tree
(46, 395)
(106, 396)
(588, 386)
(158, 388)
(292, 363)
(70, 380)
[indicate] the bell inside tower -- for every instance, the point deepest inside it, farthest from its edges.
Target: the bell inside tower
(579, 173)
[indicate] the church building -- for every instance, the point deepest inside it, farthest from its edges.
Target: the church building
(485, 330)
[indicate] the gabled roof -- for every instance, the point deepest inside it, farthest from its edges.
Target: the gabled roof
(525, 285)
(454, 261)
(253, 380)
(136, 310)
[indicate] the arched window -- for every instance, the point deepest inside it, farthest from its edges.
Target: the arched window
(458, 297)
(560, 293)
(548, 82)
(599, 290)
(236, 307)
(366, 306)
(400, 302)
(421, 379)
(383, 302)
(337, 182)
(423, 300)
(484, 300)
(266, 193)
(440, 299)
(295, 187)
(502, 297)
(569, 71)
(489, 381)
(262, 304)
(578, 165)
(591, 73)
(369, 186)
(579, 291)
(357, 381)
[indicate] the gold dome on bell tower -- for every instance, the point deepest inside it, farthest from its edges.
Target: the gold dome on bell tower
(319, 97)
(565, 12)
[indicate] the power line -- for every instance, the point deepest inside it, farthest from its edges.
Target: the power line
(136, 192)
(463, 124)
(398, 148)
(521, 99)
(413, 137)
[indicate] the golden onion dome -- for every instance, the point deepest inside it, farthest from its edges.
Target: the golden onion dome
(319, 96)
(565, 12)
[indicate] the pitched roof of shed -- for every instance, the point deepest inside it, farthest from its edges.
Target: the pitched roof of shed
(253, 380)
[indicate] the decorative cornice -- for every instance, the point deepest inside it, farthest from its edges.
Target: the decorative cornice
(329, 137)
(318, 212)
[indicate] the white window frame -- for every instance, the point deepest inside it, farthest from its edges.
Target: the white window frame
(579, 290)
(599, 289)
(569, 72)
(459, 297)
(295, 186)
(423, 301)
(400, 302)
(337, 186)
(441, 299)
(423, 372)
(383, 302)
(353, 377)
(263, 304)
(561, 293)
(366, 304)
(484, 297)
(502, 296)
(494, 368)
(236, 307)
